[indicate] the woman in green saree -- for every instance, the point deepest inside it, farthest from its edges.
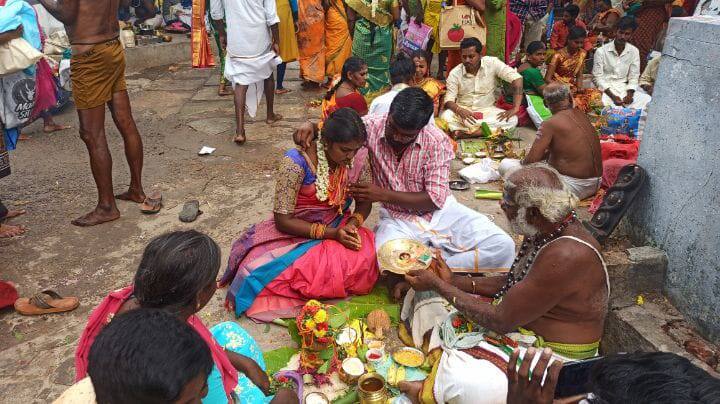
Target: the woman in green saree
(371, 23)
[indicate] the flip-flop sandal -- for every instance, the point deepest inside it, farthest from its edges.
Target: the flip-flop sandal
(190, 211)
(152, 204)
(45, 302)
(282, 91)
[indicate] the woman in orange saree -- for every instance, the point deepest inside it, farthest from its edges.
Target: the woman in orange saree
(200, 45)
(566, 66)
(311, 41)
(338, 44)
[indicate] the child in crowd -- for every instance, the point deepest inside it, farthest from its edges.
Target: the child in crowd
(144, 356)
(433, 87)
(533, 81)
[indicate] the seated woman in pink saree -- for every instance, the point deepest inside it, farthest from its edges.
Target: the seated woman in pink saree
(312, 248)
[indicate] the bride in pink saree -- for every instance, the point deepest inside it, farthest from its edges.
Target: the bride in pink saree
(313, 247)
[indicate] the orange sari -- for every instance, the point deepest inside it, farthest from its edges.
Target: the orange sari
(202, 55)
(338, 45)
(311, 40)
(566, 71)
(568, 66)
(435, 89)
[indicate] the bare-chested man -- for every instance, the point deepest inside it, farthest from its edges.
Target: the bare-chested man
(98, 78)
(557, 291)
(569, 143)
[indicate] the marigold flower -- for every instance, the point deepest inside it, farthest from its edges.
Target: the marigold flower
(320, 316)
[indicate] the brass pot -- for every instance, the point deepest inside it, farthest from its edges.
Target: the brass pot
(371, 389)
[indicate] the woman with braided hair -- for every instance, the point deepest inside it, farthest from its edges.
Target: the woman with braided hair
(177, 274)
(345, 91)
(314, 246)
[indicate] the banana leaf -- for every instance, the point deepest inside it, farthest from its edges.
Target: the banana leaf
(361, 306)
(472, 146)
(349, 398)
(278, 358)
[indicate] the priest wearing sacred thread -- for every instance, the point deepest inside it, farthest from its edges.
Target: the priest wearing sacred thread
(555, 296)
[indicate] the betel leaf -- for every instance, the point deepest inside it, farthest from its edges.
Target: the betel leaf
(326, 353)
(337, 320)
(324, 368)
(362, 351)
(293, 331)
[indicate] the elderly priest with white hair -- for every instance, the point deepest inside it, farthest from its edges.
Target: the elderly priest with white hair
(555, 296)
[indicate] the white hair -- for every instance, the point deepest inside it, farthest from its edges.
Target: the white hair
(520, 225)
(555, 94)
(554, 204)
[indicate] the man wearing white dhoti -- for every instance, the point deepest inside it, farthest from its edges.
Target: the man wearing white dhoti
(616, 69)
(555, 296)
(252, 39)
(470, 97)
(410, 161)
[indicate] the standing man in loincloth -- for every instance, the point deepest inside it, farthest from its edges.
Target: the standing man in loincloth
(98, 78)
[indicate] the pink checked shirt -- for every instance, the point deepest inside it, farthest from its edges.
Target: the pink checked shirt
(423, 167)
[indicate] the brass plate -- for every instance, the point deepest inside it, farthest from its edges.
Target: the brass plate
(403, 255)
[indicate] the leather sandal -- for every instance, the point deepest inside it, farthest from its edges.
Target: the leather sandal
(45, 302)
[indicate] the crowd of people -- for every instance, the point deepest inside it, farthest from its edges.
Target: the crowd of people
(385, 140)
(595, 38)
(321, 36)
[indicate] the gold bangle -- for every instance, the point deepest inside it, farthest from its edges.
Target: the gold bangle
(314, 230)
(454, 298)
(317, 231)
(359, 217)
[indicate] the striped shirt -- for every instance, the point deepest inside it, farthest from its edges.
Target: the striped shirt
(423, 167)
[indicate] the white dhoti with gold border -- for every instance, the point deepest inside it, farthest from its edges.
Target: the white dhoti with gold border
(467, 239)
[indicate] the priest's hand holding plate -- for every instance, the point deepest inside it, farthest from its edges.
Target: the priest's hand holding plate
(422, 279)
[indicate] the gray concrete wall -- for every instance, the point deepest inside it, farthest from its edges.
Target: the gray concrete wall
(679, 209)
(161, 54)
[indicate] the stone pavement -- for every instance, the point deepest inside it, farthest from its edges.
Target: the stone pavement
(177, 111)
